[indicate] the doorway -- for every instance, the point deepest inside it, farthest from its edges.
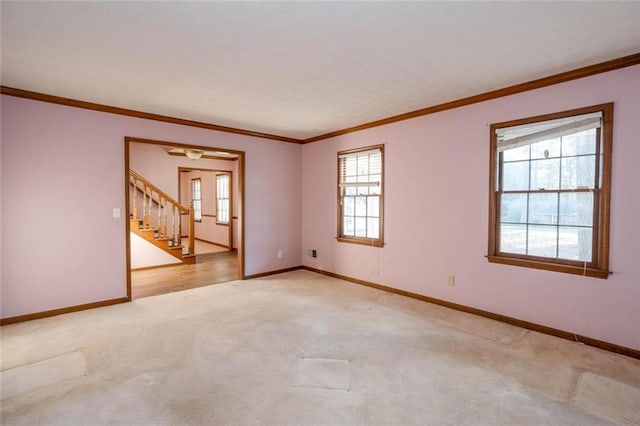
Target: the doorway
(204, 227)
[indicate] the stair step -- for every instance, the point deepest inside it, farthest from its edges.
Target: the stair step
(141, 226)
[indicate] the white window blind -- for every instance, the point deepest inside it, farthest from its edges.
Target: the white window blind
(527, 134)
(361, 169)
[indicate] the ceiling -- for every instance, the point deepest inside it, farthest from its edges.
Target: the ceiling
(300, 69)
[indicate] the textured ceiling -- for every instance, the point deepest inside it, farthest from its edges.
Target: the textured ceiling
(300, 69)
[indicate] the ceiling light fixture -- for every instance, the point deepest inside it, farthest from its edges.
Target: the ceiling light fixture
(193, 154)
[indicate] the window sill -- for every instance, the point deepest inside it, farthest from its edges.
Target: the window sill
(363, 242)
(556, 267)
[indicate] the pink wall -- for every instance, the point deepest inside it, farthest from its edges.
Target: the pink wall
(63, 173)
(436, 213)
(435, 210)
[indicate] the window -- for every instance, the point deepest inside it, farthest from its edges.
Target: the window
(222, 197)
(196, 199)
(360, 196)
(550, 190)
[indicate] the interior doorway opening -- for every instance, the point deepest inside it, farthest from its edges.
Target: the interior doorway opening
(185, 207)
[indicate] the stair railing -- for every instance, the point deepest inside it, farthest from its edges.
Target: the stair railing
(159, 211)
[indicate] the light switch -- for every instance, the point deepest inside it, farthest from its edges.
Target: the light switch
(116, 212)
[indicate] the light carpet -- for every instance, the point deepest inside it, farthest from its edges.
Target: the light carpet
(301, 348)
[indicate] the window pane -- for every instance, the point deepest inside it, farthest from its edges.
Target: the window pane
(578, 172)
(546, 149)
(348, 227)
(361, 226)
(361, 206)
(197, 212)
(513, 208)
(513, 238)
(601, 170)
(543, 208)
(545, 174)
(576, 208)
(223, 213)
(373, 206)
(362, 190)
(515, 154)
(575, 243)
(349, 206)
(225, 186)
(376, 189)
(373, 227)
(350, 190)
(516, 176)
(542, 240)
(579, 143)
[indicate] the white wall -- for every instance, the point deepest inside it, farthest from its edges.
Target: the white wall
(144, 254)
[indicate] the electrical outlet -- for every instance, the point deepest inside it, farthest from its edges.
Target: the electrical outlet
(451, 280)
(312, 253)
(280, 254)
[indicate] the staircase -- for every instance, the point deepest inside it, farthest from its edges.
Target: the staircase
(157, 218)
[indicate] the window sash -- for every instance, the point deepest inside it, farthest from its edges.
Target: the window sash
(557, 224)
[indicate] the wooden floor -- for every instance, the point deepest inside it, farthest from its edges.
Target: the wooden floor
(213, 268)
(202, 247)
